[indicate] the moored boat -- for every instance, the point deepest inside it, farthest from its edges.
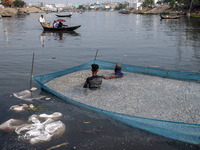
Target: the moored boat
(6, 15)
(47, 26)
(125, 12)
(184, 132)
(169, 17)
(23, 13)
(64, 15)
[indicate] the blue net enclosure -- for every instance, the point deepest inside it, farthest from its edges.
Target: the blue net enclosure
(184, 132)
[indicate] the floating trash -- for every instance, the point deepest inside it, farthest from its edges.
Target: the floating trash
(11, 125)
(27, 95)
(19, 107)
(36, 131)
(33, 89)
(47, 98)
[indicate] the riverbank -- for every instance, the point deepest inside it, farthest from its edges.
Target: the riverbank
(165, 8)
(15, 10)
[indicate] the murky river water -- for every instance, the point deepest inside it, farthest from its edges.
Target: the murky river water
(130, 39)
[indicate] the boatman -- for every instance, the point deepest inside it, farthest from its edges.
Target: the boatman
(41, 19)
(94, 81)
(117, 74)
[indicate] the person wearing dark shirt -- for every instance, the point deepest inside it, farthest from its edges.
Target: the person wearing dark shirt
(117, 74)
(60, 24)
(94, 81)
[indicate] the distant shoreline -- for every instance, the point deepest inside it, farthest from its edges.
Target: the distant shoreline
(15, 10)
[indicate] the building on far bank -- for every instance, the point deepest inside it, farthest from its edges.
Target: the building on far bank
(61, 5)
(1, 6)
(40, 4)
(135, 4)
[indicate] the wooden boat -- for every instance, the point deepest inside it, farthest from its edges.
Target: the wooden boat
(125, 12)
(47, 26)
(169, 17)
(64, 15)
(184, 132)
(6, 15)
(23, 13)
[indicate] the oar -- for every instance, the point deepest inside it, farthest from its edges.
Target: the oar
(95, 56)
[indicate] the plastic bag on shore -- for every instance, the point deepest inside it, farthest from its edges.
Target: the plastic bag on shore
(27, 95)
(11, 125)
(41, 128)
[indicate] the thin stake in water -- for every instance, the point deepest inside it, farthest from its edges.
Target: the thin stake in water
(32, 71)
(95, 56)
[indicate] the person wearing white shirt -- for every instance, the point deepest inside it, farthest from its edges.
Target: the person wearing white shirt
(41, 19)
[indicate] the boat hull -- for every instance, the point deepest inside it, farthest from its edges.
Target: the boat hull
(173, 17)
(23, 13)
(48, 28)
(184, 132)
(4, 15)
(63, 15)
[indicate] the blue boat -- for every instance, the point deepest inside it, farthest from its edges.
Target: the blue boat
(184, 132)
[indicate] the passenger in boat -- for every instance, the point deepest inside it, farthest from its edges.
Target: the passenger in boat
(55, 25)
(94, 81)
(41, 19)
(117, 74)
(60, 24)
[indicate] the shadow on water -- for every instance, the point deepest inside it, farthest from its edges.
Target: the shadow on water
(59, 36)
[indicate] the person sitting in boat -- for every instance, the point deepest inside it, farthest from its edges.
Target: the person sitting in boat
(60, 24)
(55, 25)
(117, 74)
(95, 81)
(41, 19)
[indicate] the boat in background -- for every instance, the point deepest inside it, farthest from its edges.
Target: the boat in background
(47, 26)
(169, 17)
(23, 13)
(6, 15)
(64, 15)
(125, 12)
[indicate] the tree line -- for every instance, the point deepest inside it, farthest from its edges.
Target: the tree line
(10, 3)
(146, 3)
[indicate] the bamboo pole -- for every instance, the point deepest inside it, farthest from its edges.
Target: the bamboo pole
(95, 56)
(32, 71)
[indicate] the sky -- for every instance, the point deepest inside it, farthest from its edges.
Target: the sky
(34, 2)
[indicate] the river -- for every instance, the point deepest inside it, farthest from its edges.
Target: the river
(130, 39)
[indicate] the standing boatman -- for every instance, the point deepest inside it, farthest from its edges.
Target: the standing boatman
(41, 19)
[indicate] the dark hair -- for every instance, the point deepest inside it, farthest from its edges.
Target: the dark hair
(118, 67)
(95, 67)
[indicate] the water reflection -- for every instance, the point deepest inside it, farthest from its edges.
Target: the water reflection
(59, 36)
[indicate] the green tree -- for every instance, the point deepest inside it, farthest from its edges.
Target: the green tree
(171, 4)
(121, 6)
(159, 2)
(147, 3)
(81, 7)
(18, 3)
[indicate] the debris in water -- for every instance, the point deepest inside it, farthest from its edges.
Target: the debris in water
(33, 88)
(53, 147)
